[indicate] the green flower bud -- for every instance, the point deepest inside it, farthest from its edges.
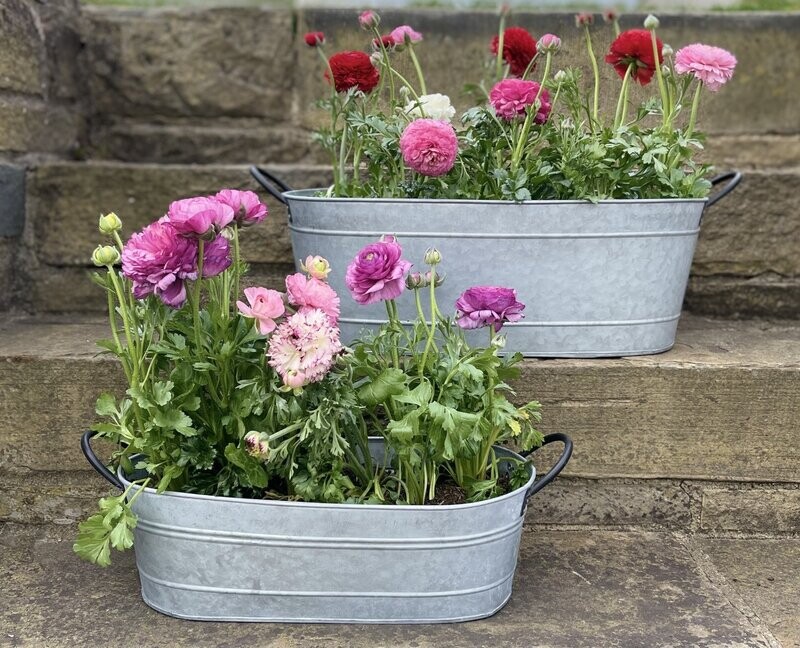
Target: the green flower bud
(666, 50)
(105, 255)
(433, 256)
(416, 280)
(110, 223)
(257, 445)
(651, 22)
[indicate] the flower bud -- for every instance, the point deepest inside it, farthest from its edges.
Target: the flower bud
(499, 341)
(610, 16)
(583, 19)
(434, 277)
(560, 76)
(316, 267)
(666, 50)
(651, 22)
(376, 58)
(415, 280)
(314, 39)
(110, 223)
(257, 445)
(369, 19)
(666, 70)
(432, 257)
(105, 255)
(549, 43)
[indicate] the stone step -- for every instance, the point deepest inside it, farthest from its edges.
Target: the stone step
(746, 262)
(700, 438)
(573, 589)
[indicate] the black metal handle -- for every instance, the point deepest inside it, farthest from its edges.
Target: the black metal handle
(95, 462)
(733, 176)
(562, 461)
(270, 182)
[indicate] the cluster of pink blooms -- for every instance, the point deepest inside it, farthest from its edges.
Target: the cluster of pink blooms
(303, 347)
(164, 255)
(378, 273)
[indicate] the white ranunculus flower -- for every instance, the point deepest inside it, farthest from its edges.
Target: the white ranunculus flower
(434, 106)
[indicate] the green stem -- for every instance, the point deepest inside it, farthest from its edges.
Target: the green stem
(417, 67)
(500, 44)
(112, 319)
(236, 268)
(622, 102)
(659, 75)
(596, 72)
(529, 118)
(432, 330)
(695, 105)
(393, 324)
(406, 83)
(197, 295)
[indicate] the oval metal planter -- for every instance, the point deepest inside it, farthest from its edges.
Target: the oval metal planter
(228, 559)
(599, 279)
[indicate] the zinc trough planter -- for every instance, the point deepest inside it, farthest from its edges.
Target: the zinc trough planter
(227, 559)
(602, 279)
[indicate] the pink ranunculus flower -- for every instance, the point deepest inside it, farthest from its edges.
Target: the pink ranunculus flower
(713, 66)
(405, 34)
(316, 266)
(378, 272)
(549, 43)
(265, 306)
(481, 306)
(429, 146)
(216, 257)
(368, 19)
(304, 347)
(158, 260)
(247, 206)
(196, 216)
(510, 99)
(311, 293)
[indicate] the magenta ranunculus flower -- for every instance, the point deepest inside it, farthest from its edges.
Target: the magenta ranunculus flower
(247, 206)
(311, 293)
(196, 216)
(429, 146)
(378, 272)
(481, 306)
(403, 34)
(510, 99)
(216, 257)
(265, 306)
(304, 347)
(713, 66)
(158, 260)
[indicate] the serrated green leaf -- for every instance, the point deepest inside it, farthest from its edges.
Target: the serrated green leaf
(106, 405)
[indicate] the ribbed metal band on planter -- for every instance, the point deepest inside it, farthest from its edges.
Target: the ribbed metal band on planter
(599, 279)
(228, 559)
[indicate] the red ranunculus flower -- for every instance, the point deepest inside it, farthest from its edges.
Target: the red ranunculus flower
(386, 40)
(519, 48)
(314, 38)
(634, 46)
(352, 70)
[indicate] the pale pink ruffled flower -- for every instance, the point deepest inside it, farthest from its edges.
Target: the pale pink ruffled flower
(713, 66)
(510, 99)
(304, 347)
(264, 305)
(311, 293)
(405, 34)
(429, 146)
(247, 206)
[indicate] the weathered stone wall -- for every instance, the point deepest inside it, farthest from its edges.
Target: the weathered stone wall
(41, 110)
(167, 103)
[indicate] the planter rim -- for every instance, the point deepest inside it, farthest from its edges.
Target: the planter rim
(302, 195)
(359, 507)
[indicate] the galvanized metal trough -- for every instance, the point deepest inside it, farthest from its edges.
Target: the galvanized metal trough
(599, 279)
(227, 559)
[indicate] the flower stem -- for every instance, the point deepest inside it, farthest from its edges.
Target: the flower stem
(236, 268)
(417, 67)
(665, 111)
(530, 117)
(197, 294)
(596, 72)
(622, 102)
(500, 44)
(695, 105)
(394, 324)
(406, 83)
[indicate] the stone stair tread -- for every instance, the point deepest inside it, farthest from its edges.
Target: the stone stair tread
(701, 341)
(573, 588)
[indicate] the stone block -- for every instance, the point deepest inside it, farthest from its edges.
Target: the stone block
(12, 200)
(201, 63)
(32, 126)
(21, 49)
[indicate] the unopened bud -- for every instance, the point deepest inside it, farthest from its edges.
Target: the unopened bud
(583, 19)
(432, 257)
(549, 43)
(316, 267)
(560, 76)
(434, 277)
(376, 58)
(666, 70)
(499, 341)
(110, 223)
(105, 255)
(610, 16)
(666, 50)
(257, 444)
(415, 280)
(651, 22)
(369, 19)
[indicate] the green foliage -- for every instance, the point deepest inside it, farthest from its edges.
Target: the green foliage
(111, 527)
